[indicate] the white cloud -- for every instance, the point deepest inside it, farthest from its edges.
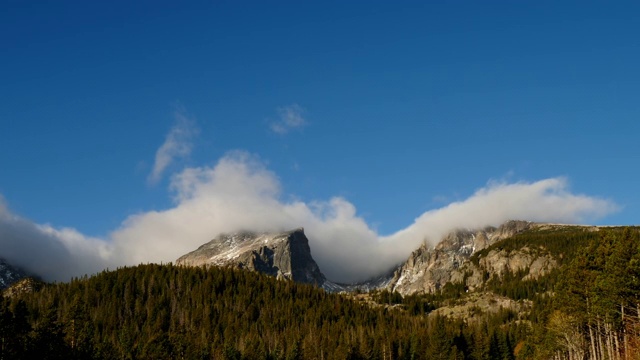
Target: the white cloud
(45, 251)
(291, 117)
(547, 200)
(177, 144)
(239, 193)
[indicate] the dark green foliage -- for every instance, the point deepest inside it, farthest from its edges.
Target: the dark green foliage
(561, 242)
(440, 343)
(603, 277)
(596, 299)
(48, 337)
(417, 305)
(512, 286)
(169, 312)
(387, 297)
(14, 330)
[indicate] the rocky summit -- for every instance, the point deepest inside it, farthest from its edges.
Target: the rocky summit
(284, 255)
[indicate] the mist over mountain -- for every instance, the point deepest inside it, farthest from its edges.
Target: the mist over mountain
(240, 194)
(426, 271)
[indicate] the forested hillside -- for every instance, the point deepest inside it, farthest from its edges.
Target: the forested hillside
(589, 306)
(164, 312)
(585, 308)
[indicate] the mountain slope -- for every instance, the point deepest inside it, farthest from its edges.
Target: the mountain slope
(9, 274)
(284, 255)
(179, 312)
(429, 269)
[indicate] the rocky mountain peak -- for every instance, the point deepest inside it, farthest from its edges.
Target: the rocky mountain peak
(284, 255)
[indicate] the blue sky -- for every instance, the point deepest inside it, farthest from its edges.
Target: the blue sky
(400, 108)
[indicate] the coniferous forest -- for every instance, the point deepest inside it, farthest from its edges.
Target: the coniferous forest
(587, 308)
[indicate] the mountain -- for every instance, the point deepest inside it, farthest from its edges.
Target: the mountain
(464, 257)
(429, 269)
(284, 255)
(519, 291)
(9, 274)
(287, 255)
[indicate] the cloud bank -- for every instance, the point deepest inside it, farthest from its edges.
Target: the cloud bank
(291, 117)
(240, 193)
(177, 144)
(55, 254)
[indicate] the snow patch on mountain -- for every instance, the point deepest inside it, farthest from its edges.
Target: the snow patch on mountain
(9, 274)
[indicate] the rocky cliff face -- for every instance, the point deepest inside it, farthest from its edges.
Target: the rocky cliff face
(429, 269)
(9, 274)
(535, 262)
(284, 255)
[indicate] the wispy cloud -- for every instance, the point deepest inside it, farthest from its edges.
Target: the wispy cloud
(290, 118)
(177, 144)
(240, 193)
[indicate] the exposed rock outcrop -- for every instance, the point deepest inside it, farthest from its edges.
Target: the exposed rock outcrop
(429, 269)
(284, 255)
(23, 286)
(534, 262)
(476, 305)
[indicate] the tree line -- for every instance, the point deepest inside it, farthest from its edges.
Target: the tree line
(588, 308)
(170, 312)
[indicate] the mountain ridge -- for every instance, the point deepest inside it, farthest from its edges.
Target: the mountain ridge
(426, 270)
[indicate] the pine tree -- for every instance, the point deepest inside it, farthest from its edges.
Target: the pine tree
(440, 342)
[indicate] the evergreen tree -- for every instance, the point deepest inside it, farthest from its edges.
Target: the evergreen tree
(440, 342)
